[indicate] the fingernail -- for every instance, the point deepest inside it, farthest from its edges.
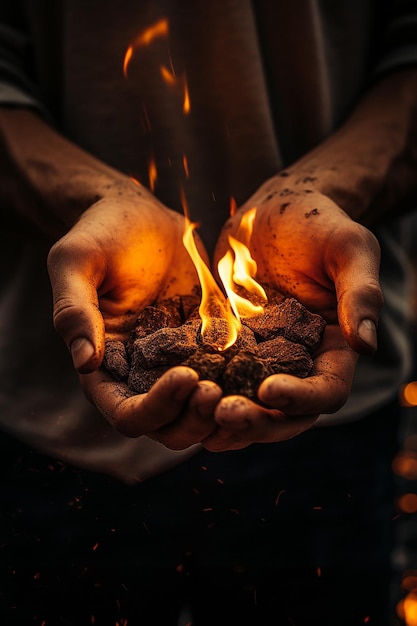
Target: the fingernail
(81, 351)
(367, 332)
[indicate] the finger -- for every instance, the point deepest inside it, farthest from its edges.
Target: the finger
(197, 420)
(243, 422)
(355, 272)
(76, 315)
(135, 415)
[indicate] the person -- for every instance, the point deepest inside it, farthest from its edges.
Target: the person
(185, 503)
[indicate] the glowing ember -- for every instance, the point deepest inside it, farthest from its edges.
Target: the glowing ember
(186, 104)
(233, 206)
(152, 173)
(159, 29)
(168, 75)
(185, 165)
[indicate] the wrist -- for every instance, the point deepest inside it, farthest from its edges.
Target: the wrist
(48, 180)
(368, 166)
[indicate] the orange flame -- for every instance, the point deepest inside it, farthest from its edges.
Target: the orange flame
(186, 107)
(159, 29)
(152, 173)
(233, 206)
(171, 79)
(213, 303)
(126, 60)
(185, 165)
(220, 315)
(241, 270)
(237, 269)
(168, 76)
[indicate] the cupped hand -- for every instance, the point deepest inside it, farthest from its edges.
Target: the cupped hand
(307, 247)
(124, 253)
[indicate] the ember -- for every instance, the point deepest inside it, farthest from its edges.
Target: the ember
(281, 340)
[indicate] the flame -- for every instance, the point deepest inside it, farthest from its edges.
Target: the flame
(233, 206)
(159, 29)
(186, 107)
(126, 60)
(213, 304)
(152, 173)
(220, 314)
(235, 268)
(168, 75)
(241, 270)
(170, 78)
(185, 166)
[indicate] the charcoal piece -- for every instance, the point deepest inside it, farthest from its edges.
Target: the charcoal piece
(209, 364)
(254, 298)
(115, 359)
(244, 373)
(173, 308)
(246, 341)
(166, 346)
(289, 319)
(286, 357)
(189, 307)
(141, 380)
(149, 320)
(274, 296)
(217, 333)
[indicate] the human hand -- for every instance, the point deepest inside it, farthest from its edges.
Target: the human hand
(124, 253)
(305, 246)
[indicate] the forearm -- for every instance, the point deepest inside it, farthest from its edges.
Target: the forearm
(369, 166)
(45, 178)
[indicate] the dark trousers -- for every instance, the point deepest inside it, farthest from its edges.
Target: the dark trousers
(297, 533)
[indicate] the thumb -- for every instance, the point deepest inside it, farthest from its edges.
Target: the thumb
(358, 313)
(355, 265)
(76, 315)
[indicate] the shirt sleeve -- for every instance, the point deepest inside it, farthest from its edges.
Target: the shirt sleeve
(398, 39)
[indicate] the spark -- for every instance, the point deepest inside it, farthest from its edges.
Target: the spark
(278, 496)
